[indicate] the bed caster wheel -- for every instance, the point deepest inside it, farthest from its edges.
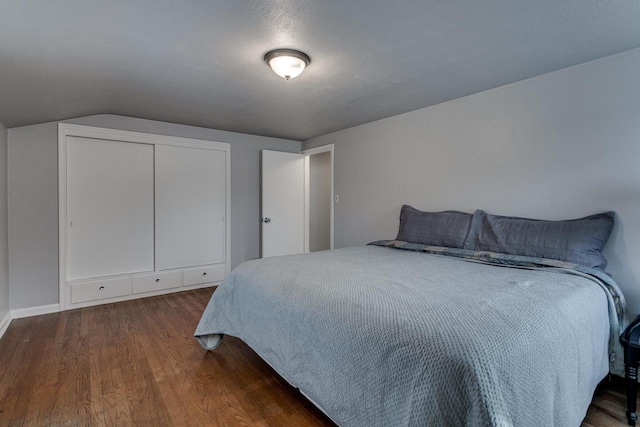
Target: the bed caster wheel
(632, 417)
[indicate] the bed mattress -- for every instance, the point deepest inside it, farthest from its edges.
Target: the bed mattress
(378, 336)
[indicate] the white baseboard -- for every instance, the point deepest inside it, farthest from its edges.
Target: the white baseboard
(19, 313)
(4, 323)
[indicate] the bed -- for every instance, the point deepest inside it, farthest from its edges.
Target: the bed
(401, 333)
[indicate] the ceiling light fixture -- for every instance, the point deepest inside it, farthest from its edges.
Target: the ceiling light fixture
(287, 63)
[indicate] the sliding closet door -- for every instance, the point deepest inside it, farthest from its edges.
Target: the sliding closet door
(190, 206)
(109, 207)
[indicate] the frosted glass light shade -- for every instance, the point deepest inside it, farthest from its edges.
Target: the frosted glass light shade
(287, 63)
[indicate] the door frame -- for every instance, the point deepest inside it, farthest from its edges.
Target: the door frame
(65, 130)
(307, 153)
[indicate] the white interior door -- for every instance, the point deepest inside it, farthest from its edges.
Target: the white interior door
(190, 207)
(109, 207)
(282, 203)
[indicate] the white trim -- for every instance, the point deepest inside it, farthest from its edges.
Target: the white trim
(307, 196)
(140, 296)
(310, 152)
(19, 313)
(40, 310)
(62, 215)
(4, 323)
(227, 255)
(65, 130)
(318, 150)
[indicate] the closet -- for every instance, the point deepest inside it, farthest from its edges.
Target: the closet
(140, 214)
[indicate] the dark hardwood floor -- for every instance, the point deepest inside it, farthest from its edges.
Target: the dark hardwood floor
(137, 363)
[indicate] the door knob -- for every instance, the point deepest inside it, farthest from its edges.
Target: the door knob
(266, 220)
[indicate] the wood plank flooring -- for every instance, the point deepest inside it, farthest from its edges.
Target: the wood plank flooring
(137, 363)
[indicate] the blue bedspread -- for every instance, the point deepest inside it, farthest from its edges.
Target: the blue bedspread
(378, 336)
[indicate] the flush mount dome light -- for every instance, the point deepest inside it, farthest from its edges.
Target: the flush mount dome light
(287, 63)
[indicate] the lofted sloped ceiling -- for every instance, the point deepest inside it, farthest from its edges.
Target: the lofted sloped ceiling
(200, 62)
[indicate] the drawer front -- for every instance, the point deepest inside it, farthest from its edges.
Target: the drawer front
(157, 281)
(100, 289)
(199, 275)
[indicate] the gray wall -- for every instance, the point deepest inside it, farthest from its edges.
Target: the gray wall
(561, 145)
(33, 198)
(33, 215)
(4, 240)
(320, 202)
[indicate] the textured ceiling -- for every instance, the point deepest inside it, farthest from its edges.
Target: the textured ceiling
(200, 62)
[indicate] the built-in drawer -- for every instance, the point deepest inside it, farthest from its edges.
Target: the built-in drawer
(206, 274)
(100, 289)
(157, 281)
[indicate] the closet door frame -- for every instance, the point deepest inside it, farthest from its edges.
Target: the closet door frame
(65, 130)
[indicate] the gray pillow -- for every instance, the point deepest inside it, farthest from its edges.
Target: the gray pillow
(579, 241)
(447, 229)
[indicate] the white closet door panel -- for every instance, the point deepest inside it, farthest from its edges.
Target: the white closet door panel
(109, 207)
(190, 207)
